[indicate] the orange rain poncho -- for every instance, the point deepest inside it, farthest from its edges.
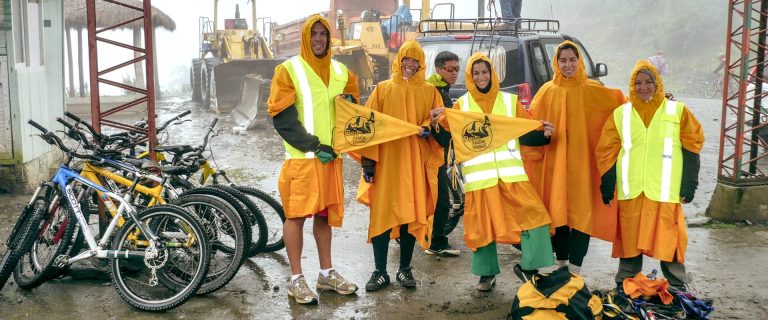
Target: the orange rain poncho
(564, 172)
(501, 212)
(405, 186)
(656, 229)
(306, 185)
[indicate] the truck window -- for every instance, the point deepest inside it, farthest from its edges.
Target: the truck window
(504, 56)
(539, 63)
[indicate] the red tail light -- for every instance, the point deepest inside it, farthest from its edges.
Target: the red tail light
(524, 94)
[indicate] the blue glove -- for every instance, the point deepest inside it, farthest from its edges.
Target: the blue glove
(369, 169)
(325, 153)
(424, 133)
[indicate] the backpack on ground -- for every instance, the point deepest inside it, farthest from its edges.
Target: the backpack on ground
(558, 295)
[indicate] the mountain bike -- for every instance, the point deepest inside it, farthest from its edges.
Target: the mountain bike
(155, 246)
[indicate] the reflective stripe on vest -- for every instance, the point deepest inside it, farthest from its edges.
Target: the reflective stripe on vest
(314, 101)
(650, 160)
(505, 162)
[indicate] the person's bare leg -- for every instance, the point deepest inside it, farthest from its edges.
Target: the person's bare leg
(322, 231)
(293, 237)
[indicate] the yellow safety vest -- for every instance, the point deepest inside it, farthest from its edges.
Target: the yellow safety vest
(650, 160)
(314, 101)
(505, 163)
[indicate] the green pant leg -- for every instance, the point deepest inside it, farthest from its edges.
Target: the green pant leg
(485, 261)
(536, 247)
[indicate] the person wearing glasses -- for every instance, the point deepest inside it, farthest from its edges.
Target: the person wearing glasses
(446, 73)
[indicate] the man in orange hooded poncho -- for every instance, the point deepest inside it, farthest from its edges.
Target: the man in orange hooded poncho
(310, 183)
(500, 202)
(401, 175)
(649, 156)
(564, 172)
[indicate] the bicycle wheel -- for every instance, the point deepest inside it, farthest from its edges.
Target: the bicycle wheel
(261, 233)
(21, 239)
(711, 89)
(181, 245)
(256, 240)
(225, 234)
(273, 213)
(53, 240)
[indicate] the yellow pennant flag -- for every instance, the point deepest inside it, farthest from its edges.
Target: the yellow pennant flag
(475, 133)
(359, 127)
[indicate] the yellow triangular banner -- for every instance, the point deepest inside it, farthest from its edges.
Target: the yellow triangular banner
(359, 127)
(475, 133)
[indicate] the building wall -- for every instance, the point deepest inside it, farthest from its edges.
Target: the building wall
(36, 92)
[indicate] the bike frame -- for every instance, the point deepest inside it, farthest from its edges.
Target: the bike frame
(63, 179)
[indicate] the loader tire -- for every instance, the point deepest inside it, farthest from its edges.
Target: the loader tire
(194, 80)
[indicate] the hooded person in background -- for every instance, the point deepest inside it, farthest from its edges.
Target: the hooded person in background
(649, 152)
(446, 73)
(310, 183)
(500, 202)
(564, 172)
(660, 62)
(401, 175)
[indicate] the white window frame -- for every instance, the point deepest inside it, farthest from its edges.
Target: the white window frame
(23, 46)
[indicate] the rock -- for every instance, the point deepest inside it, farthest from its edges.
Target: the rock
(239, 130)
(276, 288)
(747, 222)
(698, 221)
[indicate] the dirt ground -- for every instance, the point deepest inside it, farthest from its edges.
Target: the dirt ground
(725, 262)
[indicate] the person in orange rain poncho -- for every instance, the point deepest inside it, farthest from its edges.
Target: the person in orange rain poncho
(401, 175)
(648, 154)
(310, 183)
(499, 201)
(564, 172)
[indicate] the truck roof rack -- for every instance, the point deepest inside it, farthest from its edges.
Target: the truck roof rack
(488, 26)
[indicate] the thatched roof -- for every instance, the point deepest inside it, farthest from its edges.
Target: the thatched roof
(109, 14)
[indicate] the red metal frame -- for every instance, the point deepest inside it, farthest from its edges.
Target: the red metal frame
(741, 147)
(98, 117)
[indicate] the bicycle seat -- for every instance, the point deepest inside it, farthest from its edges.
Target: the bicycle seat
(175, 149)
(175, 170)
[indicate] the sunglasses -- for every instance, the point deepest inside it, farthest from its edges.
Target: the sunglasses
(451, 68)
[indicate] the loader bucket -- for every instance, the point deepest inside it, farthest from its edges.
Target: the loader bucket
(229, 76)
(358, 61)
(254, 93)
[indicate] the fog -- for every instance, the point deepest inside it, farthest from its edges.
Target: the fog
(617, 33)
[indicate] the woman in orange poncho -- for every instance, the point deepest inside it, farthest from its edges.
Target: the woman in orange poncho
(564, 172)
(500, 203)
(655, 228)
(310, 181)
(402, 198)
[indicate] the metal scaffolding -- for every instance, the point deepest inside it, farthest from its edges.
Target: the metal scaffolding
(147, 95)
(744, 131)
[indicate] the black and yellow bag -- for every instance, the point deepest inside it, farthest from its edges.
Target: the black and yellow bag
(558, 295)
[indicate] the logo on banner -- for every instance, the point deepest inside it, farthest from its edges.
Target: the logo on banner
(477, 136)
(359, 130)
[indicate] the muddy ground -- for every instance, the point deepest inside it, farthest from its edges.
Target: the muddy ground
(725, 262)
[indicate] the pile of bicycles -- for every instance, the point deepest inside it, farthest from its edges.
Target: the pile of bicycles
(168, 228)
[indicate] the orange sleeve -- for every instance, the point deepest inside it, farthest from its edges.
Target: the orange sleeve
(352, 87)
(282, 94)
(691, 132)
(608, 146)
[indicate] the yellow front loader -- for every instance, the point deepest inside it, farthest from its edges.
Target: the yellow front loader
(234, 64)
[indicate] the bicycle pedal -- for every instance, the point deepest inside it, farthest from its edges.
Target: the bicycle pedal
(61, 261)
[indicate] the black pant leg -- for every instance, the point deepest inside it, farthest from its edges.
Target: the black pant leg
(407, 243)
(578, 245)
(380, 249)
(439, 236)
(560, 242)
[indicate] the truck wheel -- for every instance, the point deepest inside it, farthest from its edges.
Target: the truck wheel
(194, 80)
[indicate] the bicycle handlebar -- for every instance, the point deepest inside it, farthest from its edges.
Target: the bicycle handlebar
(90, 128)
(53, 139)
(167, 123)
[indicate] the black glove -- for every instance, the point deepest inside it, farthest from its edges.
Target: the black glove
(690, 178)
(325, 153)
(369, 169)
(608, 184)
